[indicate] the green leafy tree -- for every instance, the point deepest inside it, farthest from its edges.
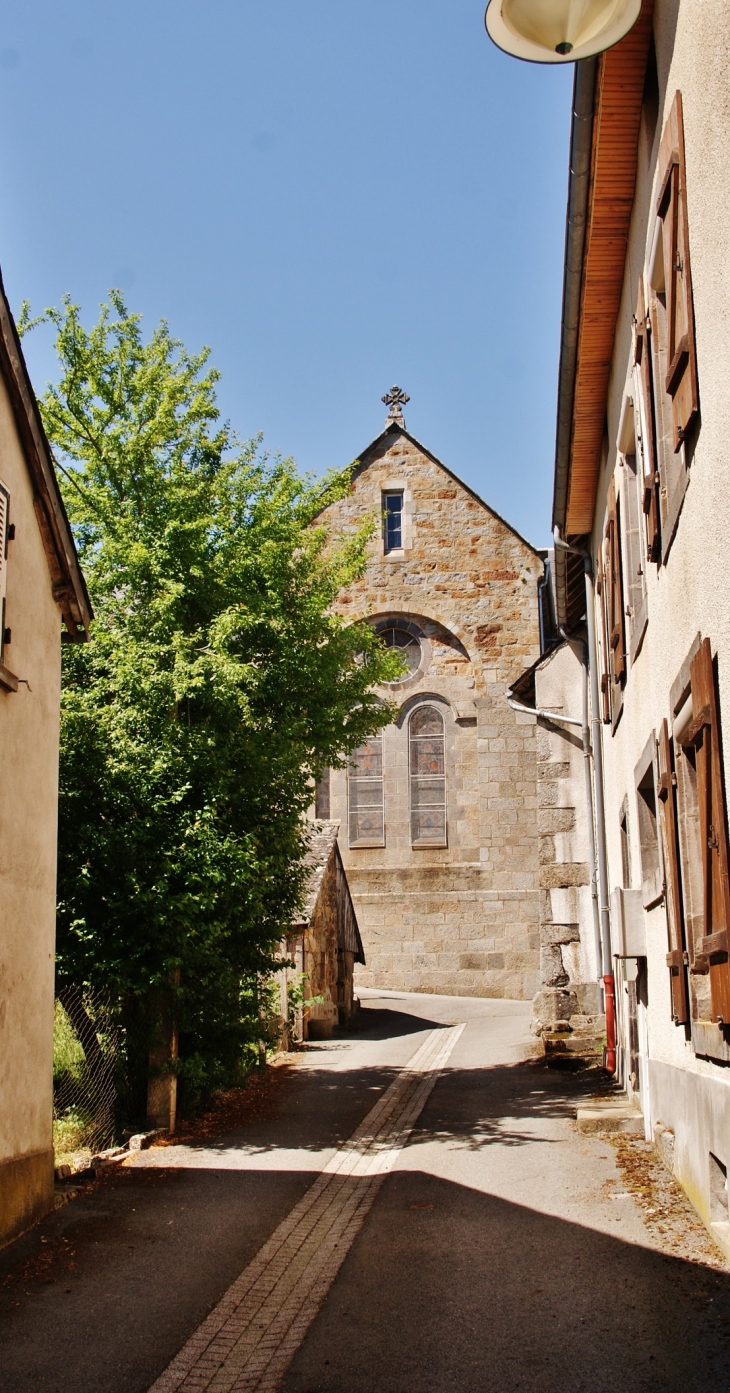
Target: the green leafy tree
(216, 685)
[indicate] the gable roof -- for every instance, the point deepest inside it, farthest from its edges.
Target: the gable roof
(391, 432)
(69, 586)
(321, 839)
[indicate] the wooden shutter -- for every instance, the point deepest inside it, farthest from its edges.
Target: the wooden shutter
(673, 886)
(614, 588)
(681, 380)
(704, 733)
(645, 433)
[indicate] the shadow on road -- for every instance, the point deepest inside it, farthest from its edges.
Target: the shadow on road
(446, 1288)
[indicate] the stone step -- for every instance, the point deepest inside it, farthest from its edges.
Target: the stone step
(611, 1115)
(585, 1046)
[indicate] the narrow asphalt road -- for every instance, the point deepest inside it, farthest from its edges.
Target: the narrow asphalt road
(467, 1238)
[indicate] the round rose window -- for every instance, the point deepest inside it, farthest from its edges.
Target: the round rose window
(408, 646)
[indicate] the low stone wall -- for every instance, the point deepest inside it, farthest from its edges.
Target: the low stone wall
(442, 930)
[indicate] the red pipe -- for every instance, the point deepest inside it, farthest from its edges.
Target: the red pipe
(609, 988)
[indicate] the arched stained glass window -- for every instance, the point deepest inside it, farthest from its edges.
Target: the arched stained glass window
(365, 794)
(428, 777)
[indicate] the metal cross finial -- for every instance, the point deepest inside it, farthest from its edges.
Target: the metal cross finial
(395, 400)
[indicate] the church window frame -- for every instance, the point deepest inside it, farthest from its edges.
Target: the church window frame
(393, 520)
(365, 794)
(384, 626)
(428, 802)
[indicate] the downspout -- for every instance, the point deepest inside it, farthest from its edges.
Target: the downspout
(575, 234)
(588, 777)
(601, 858)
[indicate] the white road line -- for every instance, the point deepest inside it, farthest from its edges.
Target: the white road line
(248, 1341)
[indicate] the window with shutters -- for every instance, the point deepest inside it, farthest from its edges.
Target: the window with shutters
(690, 862)
(667, 808)
(605, 665)
(670, 324)
(610, 590)
(703, 736)
(648, 828)
(427, 777)
(5, 535)
(632, 496)
(690, 783)
(645, 427)
(625, 845)
(365, 795)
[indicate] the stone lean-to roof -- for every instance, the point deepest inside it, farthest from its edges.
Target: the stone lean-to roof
(523, 688)
(323, 846)
(391, 431)
(69, 586)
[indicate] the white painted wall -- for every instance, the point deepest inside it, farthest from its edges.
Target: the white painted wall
(29, 723)
(690, 593)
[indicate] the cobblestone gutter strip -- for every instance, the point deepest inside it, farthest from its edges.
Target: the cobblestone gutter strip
(250, 1338)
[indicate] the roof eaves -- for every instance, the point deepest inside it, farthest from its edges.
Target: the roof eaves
(581, 141)
(69, 586)
(607, 101)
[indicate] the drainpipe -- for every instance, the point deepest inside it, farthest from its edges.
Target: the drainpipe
(537, 711)
(601, 860)
(588, 777)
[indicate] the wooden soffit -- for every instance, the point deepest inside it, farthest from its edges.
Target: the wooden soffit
(617, 117)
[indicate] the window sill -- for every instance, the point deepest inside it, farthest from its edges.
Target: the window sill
(8, 680)
(429, 846)
(709, 1040)
(365, 846)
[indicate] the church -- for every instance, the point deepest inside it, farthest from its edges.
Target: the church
(438, 813)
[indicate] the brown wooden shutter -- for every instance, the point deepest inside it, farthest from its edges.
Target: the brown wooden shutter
(614, 587)
(704, 733)
(673, 885)
(643, 387)
(681, 381)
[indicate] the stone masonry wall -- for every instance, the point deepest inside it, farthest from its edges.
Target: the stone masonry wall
(461, 918)
(567, 1001)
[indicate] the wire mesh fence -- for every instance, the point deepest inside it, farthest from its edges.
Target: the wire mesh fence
(87, 1056)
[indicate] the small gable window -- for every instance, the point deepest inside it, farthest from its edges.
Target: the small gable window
(393, 521)
(428, 777)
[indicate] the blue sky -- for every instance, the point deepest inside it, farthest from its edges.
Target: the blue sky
(334, 197)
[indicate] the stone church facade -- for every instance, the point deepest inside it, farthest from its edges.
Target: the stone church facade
(438, 813)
